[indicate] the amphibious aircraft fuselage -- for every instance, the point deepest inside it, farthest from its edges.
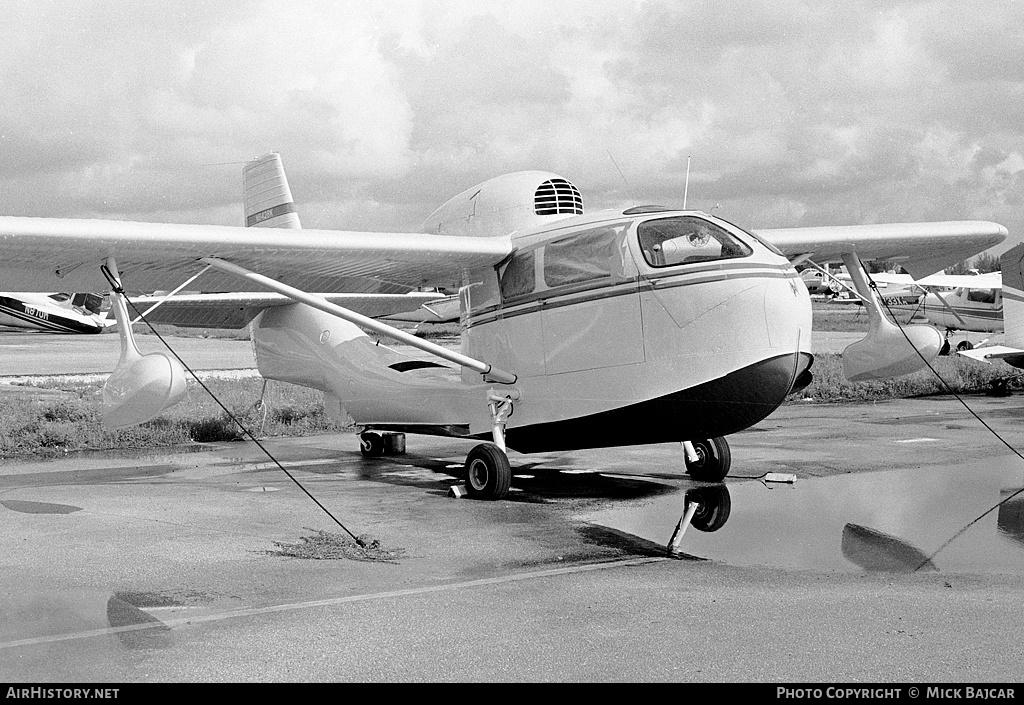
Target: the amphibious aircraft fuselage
(625, 327)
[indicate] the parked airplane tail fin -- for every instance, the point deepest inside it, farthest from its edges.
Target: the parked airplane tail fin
(1012, 265)
(267, 199)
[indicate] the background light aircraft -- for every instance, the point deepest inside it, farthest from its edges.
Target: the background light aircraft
(969, 302)
(618, 327)
(1011, 264)
(54, 313)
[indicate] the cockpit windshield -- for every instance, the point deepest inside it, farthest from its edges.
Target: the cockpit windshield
(666, 242)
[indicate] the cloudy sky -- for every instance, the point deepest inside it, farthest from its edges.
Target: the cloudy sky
(792, 113)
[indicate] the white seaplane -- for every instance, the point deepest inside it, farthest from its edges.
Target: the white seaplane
(54, 313)
(618, 327)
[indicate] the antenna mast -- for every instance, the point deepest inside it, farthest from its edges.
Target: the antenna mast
(686, 187)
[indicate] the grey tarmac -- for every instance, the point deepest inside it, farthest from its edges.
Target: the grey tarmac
(159, 567)
(138, 567)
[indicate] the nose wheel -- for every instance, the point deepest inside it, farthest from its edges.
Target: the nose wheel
(710, 461)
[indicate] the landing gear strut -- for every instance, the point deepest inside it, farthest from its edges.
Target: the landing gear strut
(488, 473)
(710, 460)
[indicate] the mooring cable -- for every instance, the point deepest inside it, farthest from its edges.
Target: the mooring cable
(950, 390)
(118, 289)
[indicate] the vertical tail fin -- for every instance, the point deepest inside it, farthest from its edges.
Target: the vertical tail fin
(1012, 265)
(267, 200)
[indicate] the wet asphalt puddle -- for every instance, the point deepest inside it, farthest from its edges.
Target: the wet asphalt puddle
(892, 521)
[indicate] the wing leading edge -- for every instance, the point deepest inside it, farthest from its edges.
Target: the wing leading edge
(58, 254)
(921, 248)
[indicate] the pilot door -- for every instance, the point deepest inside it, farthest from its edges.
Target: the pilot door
(576, 298)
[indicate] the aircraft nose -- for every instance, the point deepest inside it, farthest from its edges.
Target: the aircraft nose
(788, 317)
(776, 359)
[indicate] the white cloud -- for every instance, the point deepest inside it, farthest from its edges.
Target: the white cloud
(793, 112)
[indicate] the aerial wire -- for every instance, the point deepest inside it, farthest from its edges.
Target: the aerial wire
(686, 186)
(118, 289)
(629, 189)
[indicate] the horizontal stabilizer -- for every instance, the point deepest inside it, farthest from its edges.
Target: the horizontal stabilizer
(236, 310)
(989, 352)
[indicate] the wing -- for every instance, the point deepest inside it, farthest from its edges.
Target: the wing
(921, 248)
(236, 310)
(992, 280)
(57, 254)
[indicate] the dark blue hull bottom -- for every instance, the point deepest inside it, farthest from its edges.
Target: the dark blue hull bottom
(716, 408)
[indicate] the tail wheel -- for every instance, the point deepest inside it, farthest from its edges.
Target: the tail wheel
(713, 460)
(371, 445)
(488, 474)
(964, 345)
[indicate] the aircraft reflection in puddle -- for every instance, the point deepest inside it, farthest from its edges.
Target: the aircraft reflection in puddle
(877, 551)
(705, 508)
(889, 520)
(1010, 520)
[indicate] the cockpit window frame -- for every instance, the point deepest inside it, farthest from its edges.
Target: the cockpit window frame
(737, 247)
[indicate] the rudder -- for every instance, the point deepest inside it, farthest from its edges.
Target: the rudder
(267, 200)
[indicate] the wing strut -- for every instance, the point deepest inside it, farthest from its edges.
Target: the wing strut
(490, 373)
(167, 296)
(943, 302)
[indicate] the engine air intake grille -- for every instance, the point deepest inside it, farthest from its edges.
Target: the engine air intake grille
(557, 197)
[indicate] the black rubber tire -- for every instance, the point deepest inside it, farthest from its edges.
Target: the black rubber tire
(371, 445)
(944, 350)
(714, 462)
(715, 506)
(964, 345)
(488, 473)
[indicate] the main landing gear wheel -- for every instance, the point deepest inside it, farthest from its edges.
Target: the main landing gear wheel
(488, 474)
(371, 445)
(713, 461)
(964, 345)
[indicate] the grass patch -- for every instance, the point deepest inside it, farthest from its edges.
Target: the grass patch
(438, 330)
(962, 376)
(50, 425)
(325, 545)
(166, 330)
(847, 317)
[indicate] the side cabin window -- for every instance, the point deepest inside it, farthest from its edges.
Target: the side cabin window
(519, 278)
(666, 242)
(584, 256)
(594, 255)
(982, 296)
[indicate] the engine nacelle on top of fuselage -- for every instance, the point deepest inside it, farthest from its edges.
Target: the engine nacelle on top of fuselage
(506, 204)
